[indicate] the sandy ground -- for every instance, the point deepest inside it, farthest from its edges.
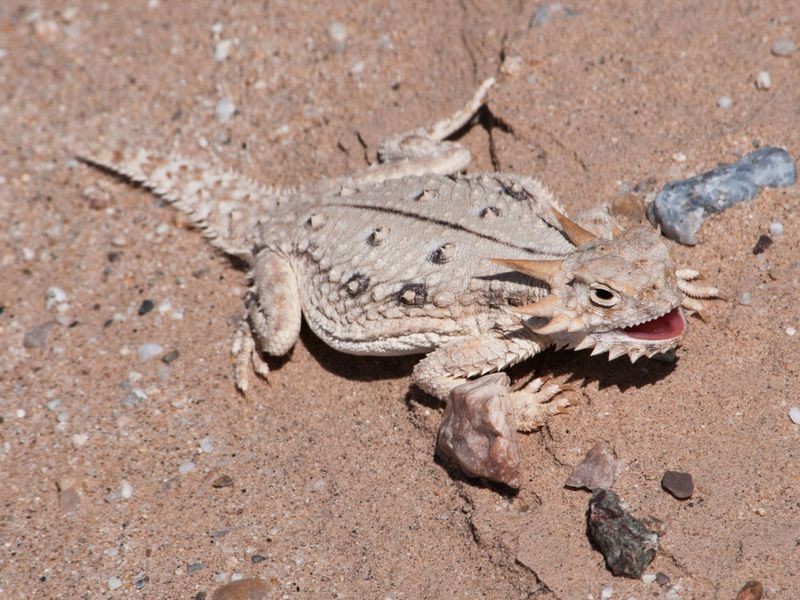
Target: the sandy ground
(334, 489)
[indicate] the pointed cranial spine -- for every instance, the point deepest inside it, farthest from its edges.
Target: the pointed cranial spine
(576, 234)
(543, 270)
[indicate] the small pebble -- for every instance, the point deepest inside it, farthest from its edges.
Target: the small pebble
(55, 297)
(783, 46)
(257, 558)
(36, 337)
(338, 33)
(114, 583)
(794, 414)
(222, 49)
(206, 445)
(512, 65)
(752, 590)
(679, 157)
(140, 580)
(790, 331)
(21, 414)
(125, 489)
(53, 404)
(186, 467)
(244, 589)
(763, 80)
(724, 102)
(194, 567)
(149, 350)
(745, 298)
(776, 229)
(145, 307)
(225, 109)
(596, 471)
(607, 593)
(79, 440)
(222, 481)
(763, 242)
(170, 356)
(679, 484)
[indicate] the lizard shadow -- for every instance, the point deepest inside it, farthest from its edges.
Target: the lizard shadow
(355, 367)
(579, 368)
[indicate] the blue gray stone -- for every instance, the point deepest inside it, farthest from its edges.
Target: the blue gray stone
(681, 205)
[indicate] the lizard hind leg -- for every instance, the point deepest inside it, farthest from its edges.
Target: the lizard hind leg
(274, 315)
(425, 151)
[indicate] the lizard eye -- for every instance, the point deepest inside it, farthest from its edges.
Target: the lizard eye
(602, 295)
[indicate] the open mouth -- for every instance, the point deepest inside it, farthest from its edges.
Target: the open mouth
(666, 327)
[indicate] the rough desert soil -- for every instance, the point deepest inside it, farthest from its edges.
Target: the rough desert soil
(334, 488)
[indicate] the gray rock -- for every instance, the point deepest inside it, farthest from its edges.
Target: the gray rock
(681, 205)
(478, 430)
(596, 471)
(627, 545)
(36, 337)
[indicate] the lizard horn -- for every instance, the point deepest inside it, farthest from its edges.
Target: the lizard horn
(540, 269)
(546, 307)
(576, 234)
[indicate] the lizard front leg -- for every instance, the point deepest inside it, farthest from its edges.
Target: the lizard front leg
(272, 324)
(453, 364)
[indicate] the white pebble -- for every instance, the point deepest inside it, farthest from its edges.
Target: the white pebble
(54, 297)
(679, 157)
(164, 306)
(606, 593)
(794, 414)
(745, 298)
(206, 445)
(338, 33)
(783, 46)
(648, 578)
(222, 49)
(21, 413)
(79, 440)
(186, 467)
(763, 80)
(225, 110)
(149, 350)
(114, 583)
(776, 229)
(237, 577)
(725, 102)
(790, 331)
(125, 489)
(53, 404)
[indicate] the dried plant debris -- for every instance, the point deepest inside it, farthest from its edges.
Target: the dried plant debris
(680, 207)
(478, 430)
(596, 471)
(678, 484)
(627, 545)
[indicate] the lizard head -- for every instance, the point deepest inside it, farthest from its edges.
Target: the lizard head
(617, 295)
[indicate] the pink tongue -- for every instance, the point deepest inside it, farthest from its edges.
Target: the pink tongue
(669, 326)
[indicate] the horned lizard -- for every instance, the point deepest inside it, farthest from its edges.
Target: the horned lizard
(480, 271)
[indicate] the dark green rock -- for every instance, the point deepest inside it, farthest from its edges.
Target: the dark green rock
(627, 545)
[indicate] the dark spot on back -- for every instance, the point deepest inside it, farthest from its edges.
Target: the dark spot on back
(413, 294)
(357, 285)
(518, 195)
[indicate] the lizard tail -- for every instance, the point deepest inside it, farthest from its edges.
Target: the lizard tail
(224, 205)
